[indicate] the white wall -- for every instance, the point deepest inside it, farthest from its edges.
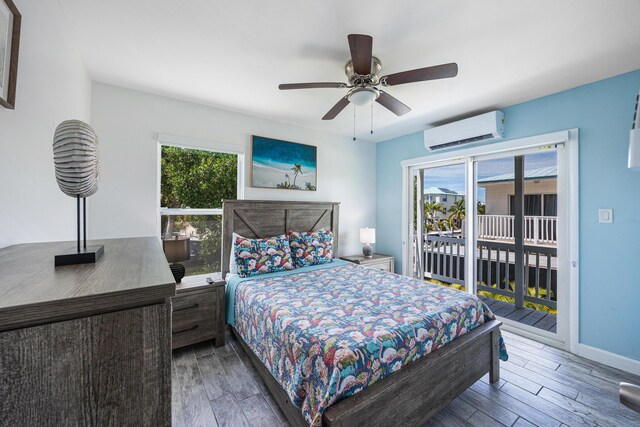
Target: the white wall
(53, 85)
(128, 123)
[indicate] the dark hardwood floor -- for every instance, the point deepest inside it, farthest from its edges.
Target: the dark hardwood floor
(528, 316)
(539, 386)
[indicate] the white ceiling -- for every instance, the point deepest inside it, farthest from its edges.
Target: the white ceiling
(233, 54)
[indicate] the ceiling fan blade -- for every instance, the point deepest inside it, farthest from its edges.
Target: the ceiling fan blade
(361, 47)
(331, 114)
(316, 85)
(392, 104)
(421, 74)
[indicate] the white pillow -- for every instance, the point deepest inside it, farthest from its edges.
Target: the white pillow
(233, 266)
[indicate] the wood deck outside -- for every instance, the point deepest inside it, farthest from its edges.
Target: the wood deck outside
(527, 316)
(539, 386)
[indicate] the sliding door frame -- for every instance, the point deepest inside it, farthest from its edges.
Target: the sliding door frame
(568, 234)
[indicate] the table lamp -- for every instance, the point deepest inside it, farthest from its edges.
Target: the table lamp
(177, 250)
(367, 237)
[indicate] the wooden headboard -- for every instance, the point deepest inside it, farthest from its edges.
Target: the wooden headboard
(265, 218)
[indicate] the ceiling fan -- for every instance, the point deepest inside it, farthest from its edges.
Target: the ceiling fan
(363, 72)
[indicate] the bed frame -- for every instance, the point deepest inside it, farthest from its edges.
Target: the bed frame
(408, 397)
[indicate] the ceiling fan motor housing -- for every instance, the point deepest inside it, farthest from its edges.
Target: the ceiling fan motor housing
(372, 78)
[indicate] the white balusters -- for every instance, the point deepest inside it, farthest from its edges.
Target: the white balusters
(537, 229)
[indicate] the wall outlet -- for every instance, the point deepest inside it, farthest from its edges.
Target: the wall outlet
(605, 216)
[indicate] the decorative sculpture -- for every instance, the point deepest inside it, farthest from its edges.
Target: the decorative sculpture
(77, 166)
(75, 155)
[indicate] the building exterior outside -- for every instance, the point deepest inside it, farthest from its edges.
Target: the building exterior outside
(540, 207)
(442, 195)
(540, 189)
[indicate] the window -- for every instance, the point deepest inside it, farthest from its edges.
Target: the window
(537, 204)
(444, 198)
(193, 184)
(550, 205)
(532, 205)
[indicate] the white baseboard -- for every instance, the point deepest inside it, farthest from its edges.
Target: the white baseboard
(609, 359)
(597, 355)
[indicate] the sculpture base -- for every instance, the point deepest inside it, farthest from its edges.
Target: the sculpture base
(86, 255)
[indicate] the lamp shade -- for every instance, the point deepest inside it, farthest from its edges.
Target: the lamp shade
(367, 235)
(176, 250)
(634, 149)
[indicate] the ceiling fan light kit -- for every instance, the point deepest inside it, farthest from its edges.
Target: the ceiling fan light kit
(363, 95)
(363, 73)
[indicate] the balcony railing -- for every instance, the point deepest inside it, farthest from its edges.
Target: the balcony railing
(443, 259)
(537, 229)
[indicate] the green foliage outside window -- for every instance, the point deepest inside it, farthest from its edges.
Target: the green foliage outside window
(197, 179)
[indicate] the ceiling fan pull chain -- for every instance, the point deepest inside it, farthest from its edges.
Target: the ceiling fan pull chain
(371, 117)
(354, 122)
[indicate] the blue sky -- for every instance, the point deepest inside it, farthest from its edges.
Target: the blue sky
(452, 177)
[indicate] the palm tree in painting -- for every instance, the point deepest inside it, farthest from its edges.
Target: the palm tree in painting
(297, 169)
(457, 212)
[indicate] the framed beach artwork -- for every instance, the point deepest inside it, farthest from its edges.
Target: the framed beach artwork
(283, 164)
(10, 20)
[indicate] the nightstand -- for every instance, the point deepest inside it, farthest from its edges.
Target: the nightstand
(198, 311)
(379, 261)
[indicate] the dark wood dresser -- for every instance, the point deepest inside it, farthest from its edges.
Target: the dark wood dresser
(86, 344)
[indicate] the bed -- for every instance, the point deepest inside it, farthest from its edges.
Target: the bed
(298, 327)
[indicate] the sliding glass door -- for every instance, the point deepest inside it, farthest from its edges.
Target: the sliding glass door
(488, 224)
(517, 237)
(440, 207)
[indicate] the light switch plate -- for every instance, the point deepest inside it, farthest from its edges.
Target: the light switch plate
(605, 216)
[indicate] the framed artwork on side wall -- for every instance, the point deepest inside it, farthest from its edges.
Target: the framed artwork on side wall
(283, 164)
(10, 21)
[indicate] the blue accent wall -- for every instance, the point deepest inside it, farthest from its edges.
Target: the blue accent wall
(609, 253)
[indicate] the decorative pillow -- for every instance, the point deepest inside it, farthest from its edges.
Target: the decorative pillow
(311, 248)
(258, 256)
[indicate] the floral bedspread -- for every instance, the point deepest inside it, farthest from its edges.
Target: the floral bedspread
(328, 333)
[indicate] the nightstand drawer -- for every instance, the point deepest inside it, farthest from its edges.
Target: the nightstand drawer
(193, 302)
(384, 266)
(192, 333)
(193, 317)
(196, 308)
(377, 261)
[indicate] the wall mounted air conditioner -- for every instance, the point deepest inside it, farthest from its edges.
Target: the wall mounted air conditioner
(485, 127)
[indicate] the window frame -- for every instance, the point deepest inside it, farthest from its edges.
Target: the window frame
(195, 144)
